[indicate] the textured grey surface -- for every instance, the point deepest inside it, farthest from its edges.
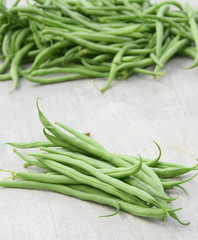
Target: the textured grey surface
(125, 119)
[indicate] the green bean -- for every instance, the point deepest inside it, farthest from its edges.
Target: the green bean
(47, 178)
(20, 38)
(55, 70)
(159, 30)
(147, 72)
(33, 53)
(177, 14)
(97, 11)
(101, 57)
(173, 172)
(62, 189)
(191, 52)
(5, 77)
(36, 36)
(6, 44)
(123, 172)
(142, 63)
(167, 184)
(123, 31)
(108, 37)
(5, 65)
(131, 58)
(16, 62)
(94, 67)
(36, 144)
(167, 164)
(51, 80)
(13, 41)
(155, 161)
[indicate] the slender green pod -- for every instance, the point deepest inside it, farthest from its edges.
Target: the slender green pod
(123, 172)
(173, 172)
(43, 177)
(160, 30)
(16, 62)
(64, 190)
(167, 184)
(36, 144)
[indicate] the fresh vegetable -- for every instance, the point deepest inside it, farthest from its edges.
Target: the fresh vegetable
(81, 167)
(87, 39)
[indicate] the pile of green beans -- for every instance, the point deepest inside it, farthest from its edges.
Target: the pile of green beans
(51, 41)
(81, 167)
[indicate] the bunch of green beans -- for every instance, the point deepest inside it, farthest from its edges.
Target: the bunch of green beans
(81, 167)
(64, 40)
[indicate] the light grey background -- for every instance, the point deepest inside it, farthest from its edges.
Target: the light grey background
(126, 119)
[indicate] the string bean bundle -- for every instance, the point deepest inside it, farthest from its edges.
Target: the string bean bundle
(66, 40)
(81, 167)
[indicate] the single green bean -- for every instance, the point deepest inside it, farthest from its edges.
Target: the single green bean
(59, 79)
(55, 70)
(14, 72)
(173, 172)
(167, 184)
(159, 30)
(123, 172)
(43, 177)
(36, 144)
(65, 190)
